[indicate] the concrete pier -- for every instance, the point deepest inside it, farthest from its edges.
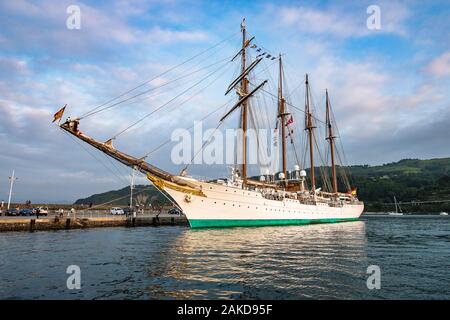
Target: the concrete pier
(32, 224)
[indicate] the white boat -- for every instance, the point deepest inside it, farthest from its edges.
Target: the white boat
(443, 213)
(398, 209)
(240, 200)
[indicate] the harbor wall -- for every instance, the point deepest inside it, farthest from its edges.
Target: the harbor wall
(55, 223)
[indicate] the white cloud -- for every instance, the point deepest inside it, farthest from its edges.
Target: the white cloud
(440, 66)
(166, 35)
(15, 66)
(341, 22)
(103, 28)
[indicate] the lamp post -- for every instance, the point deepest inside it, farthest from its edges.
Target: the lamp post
(131, 187)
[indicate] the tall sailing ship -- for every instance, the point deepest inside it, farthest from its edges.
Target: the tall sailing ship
(283, 198)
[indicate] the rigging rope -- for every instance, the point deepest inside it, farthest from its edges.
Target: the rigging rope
(163, 73)
(114, 164)
(121, 179)
(166, 103)
(120, 198)
(153, 89)
(163, 193)
(169, 140)
(203, 145)
(326, 182)
(293, 106)
(196, 93)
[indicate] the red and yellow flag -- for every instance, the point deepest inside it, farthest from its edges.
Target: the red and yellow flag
(58, 115)
(290, 121)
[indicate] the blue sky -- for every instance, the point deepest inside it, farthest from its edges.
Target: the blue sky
(390, 87)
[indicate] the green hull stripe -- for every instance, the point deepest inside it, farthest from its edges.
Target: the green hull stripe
(212, 223)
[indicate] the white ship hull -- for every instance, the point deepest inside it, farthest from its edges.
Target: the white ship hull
(224, 206)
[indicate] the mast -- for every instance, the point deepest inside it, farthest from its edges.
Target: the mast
(398, 209)
(12, 179)
(243, 92)
(309, 127)
(395, 202)
(282, 114)
(330, 139)
(244, 95)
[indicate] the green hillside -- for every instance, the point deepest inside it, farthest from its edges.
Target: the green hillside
(408, 180)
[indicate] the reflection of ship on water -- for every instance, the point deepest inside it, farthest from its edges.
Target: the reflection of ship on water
(234, 262)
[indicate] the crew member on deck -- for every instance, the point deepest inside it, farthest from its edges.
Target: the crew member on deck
(76, 122)
(73, 124)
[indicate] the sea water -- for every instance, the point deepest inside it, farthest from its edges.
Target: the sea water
(322, 261)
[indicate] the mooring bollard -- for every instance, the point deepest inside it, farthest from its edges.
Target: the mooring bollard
(172, 220)
(32, 223)
(131, 222)
(68, 223)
